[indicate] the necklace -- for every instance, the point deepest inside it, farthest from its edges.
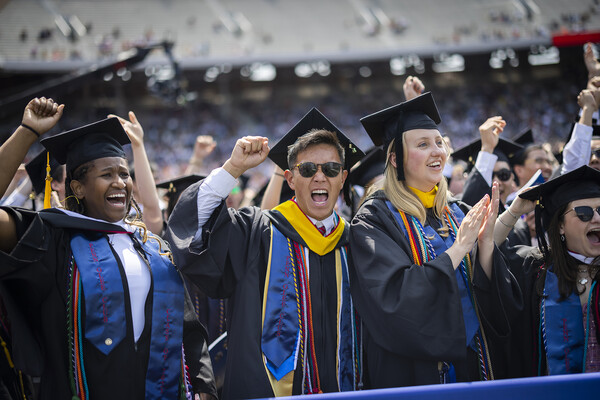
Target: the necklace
(583, 280)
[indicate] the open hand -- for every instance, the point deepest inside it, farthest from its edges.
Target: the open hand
(133, 128)
(490, 131)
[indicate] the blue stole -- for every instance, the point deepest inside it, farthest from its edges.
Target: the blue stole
(563, 328)
(440, 245)
(105, 325)
(281, 338)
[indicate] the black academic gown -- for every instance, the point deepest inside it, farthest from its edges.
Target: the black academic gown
(230, 261)
(412, 314)
(35, 274)
(475, 188)
(524, 352)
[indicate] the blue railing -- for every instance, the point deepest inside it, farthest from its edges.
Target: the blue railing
(559, 387)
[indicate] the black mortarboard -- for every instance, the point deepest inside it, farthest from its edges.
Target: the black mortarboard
(313, 120)
(388, 124)
(581, 183)
(97, 140)
(176, 186)
(368, 167)
(524, 138)
(36, 169)
(505, 150)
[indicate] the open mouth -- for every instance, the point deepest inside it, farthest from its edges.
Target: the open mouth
(319, 196)
(117, 200)
(594, 236)
(435, 164)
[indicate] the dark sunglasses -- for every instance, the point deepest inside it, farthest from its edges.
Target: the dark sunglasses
(308, 169)
(584, 213)
(596, 152)
(503, 174)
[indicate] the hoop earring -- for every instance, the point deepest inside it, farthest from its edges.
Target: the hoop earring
(562, 237)
(76, 199)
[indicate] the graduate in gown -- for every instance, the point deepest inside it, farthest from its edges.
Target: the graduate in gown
(559, 278)
(432, 308)
(106, 307)
(290, 322)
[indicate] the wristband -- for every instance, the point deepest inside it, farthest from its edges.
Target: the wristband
(31, 129)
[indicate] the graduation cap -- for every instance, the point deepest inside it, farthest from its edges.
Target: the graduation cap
(505, 150)
(581, 183)
(370, 166)
(176, 186)
(100, 139)
(389, 124)
(36, 169)
(524, 138)
(314, 119)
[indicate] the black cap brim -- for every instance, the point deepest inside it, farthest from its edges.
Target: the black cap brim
(370, 166)
(375, 123)
(469, 152)
(524, 138)
(100, 139)
(581, 183)
(314, 119)
(178, 185)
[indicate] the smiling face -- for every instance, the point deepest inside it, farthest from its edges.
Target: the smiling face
(316, 196)
(582, 237)
(106, 189)
(424, 158)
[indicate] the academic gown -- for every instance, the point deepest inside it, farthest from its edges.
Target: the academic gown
(412, 315)
(230, 261)
(36, 273)
(523, 352)
(475, 188)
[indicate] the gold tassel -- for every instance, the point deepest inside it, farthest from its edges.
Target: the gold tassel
(48, 188)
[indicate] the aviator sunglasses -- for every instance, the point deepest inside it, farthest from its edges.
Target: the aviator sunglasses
(503, 174)
(584, 213)
(308, 169)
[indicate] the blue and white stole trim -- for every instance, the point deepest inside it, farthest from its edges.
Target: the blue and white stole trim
(561, 323)
(105, 325)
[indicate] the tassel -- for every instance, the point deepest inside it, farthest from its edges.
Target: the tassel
(48, 188)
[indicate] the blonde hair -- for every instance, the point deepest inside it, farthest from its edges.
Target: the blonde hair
(404, 199)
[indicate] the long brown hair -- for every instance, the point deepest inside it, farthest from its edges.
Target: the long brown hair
(563, 265)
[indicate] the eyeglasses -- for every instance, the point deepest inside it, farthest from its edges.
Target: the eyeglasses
(503, 174)
(596, 152)
(309, 169)
(584, 213)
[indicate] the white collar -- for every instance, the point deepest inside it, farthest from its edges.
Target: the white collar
(581, 258)
(129, 228)
(328, 223)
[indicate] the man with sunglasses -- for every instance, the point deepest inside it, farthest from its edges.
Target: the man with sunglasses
(291, 324)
